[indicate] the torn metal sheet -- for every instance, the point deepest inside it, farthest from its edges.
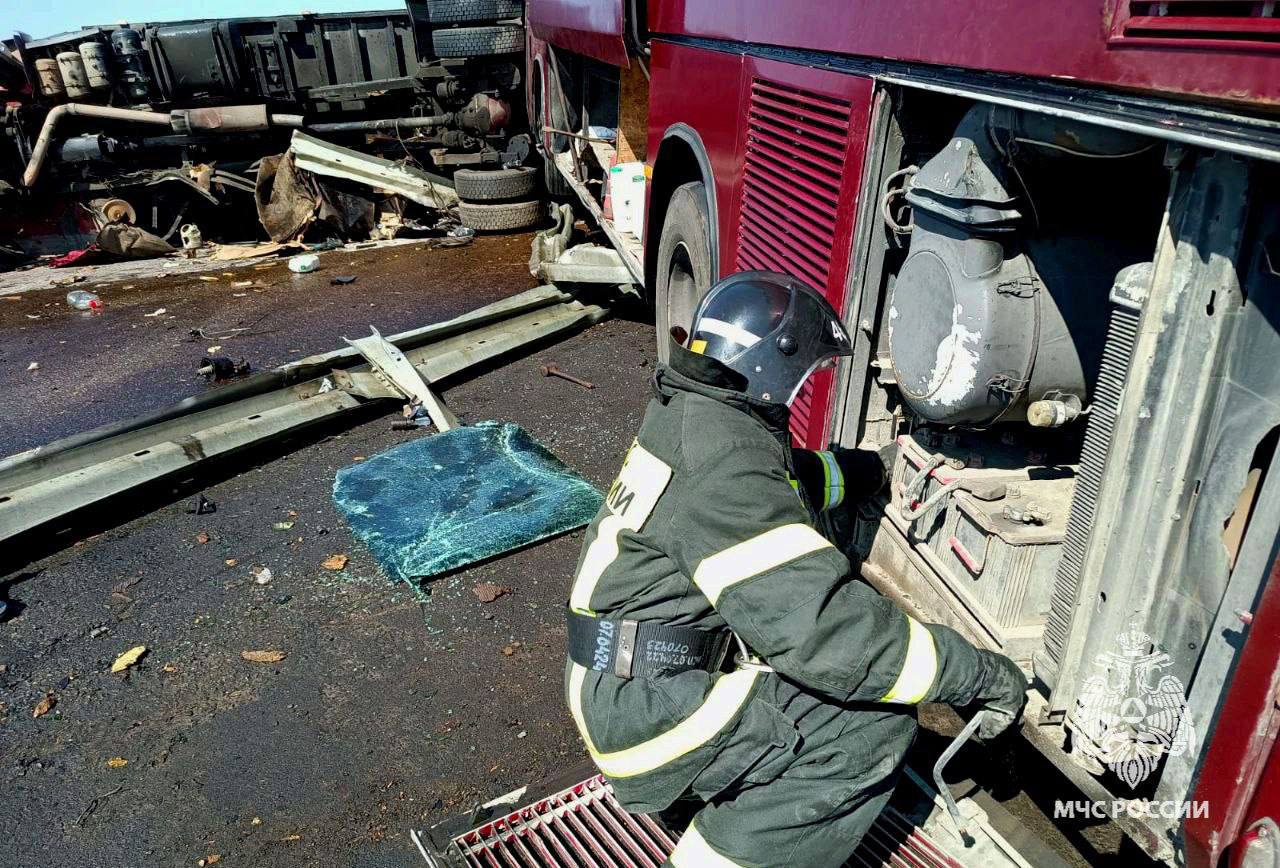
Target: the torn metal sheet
(391, 364)
(42, 484)
(441, 502)
(322, 158)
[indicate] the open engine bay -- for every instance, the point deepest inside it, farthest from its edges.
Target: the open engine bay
(1058, 323)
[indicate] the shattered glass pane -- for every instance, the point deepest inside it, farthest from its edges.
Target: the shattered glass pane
(445, 501)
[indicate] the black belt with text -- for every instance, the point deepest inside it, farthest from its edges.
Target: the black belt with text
(633, 649)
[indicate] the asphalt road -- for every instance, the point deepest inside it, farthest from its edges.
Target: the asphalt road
(389, 709)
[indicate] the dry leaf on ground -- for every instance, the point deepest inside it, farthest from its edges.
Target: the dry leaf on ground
(335, 562)
(128, 658)
(264, 656)
(117, 762)
(44, 706)
(488, 591)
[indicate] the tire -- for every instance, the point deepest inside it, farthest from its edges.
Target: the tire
(478, 41)
(475, 185)
(500, 218)
(683, 273)
(553, 181)
(462, 11)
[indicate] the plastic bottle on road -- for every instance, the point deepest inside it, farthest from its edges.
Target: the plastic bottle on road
(82, 299)
(304, 263)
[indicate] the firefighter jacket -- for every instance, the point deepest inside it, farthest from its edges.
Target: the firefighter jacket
(704, 527)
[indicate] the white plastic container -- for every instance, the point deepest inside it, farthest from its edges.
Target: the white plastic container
(626, 192)
(304, 263)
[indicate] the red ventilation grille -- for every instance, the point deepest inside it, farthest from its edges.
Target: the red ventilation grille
(796, 148)
(585, 827)
(1209, 23)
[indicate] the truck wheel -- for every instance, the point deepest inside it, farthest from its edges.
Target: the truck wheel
(478, 41)
(461, 11)
(553, 181)
(475, 185)
(500, 218)
(684, 262)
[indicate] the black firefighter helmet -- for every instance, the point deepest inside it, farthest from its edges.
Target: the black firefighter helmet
(771, 329)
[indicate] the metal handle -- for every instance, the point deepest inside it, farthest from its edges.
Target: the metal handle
(962, 825)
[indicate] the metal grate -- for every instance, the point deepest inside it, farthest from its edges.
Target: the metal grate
(796, 147)
(1122, 334)
(1238, 22)
(585, 827)
(580, 827)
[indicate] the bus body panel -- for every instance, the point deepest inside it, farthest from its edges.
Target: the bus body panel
(588, 27)
(1073, 40)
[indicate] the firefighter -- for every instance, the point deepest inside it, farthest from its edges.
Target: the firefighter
(718, 646)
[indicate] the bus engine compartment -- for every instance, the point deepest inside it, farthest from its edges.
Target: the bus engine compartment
(1055, 316)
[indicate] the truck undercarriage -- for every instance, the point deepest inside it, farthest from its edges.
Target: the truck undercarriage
(166, 123)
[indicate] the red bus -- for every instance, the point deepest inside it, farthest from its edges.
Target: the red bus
(1054, 231)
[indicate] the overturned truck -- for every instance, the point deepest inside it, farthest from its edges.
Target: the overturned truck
(153, 123)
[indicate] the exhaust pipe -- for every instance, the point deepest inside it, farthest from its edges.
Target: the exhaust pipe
(229, 119)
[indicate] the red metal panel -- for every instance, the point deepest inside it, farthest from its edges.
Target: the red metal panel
(694, 87)
(593, 28)
(1049, 38)
(1243, 741)
(803, 142)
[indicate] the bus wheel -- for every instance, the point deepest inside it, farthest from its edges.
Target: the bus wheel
(683, 273)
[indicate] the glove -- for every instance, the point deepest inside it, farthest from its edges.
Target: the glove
(1002, 695)
(888, 457)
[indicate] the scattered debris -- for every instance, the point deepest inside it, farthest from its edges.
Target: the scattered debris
(117, 762)
(202, 505)
(34, 366)
(343, 280)
(82, 299)
(304, 263)
(207, 278)
(95, 804)
(552, 370)
(262, 575)
(45, 705)
(324, 158)
(202, 538)
(132, 242)
(99, 631)
(169, 668)
(232, 252)
(241, 284)
(510, 650)
(477, 491)
(213, 349)
(487, 592)
(160, 311)
(221, 368)
(282, 525)
(231, 562)
(265, 656)
(335, 562)
(129, 658)
(211, 859)
(67, 281)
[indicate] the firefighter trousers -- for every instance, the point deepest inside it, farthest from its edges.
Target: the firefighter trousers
(807, 801)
